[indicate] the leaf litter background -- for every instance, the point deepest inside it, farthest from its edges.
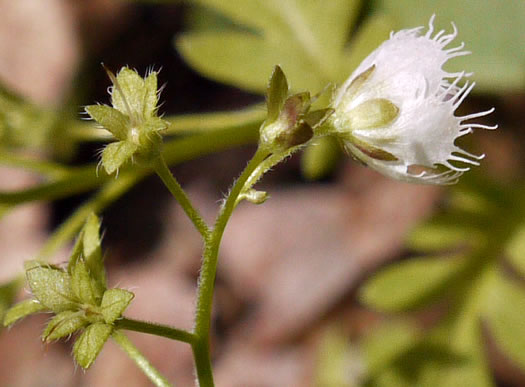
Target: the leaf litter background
(287, 311)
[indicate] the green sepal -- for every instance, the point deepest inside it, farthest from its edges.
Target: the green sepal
(21, 310)
(64, 324)
(90, 343)
(358, 82)
(51, 286)
(85, 287)
(370, 150)
(116, 154)
(372, 114)
(111, 119)
(114, 303)
(276, 93)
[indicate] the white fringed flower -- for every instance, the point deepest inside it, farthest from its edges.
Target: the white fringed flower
(396, 111)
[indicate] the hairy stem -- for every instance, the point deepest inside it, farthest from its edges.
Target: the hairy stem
(178, 193)
(151, 372)
(155, 329)
(201, 347)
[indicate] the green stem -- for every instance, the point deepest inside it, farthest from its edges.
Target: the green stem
(175, 151)
(181, 124)
(151, 372)
(155, 329)
(178, 193)
(201, 347)
(107, 194)
(46, 168)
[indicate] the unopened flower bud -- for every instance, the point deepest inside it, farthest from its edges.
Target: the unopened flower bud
(132, 120)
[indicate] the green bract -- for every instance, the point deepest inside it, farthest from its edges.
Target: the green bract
(289, 122)
(132, 120)
(77, 295)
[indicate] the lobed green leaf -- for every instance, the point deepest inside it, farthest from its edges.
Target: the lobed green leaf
(111, 119)
(504, 312)
(515, 249)
(387, 343)
(51, 286)
(497, 53)
(114, 303)
(90, 343)
(410, 284)
(306, 38)
(374, 31)
(86, 288)
(21, 310)
(64, 324)
(116, 154)
(151, 95)
(131, 95)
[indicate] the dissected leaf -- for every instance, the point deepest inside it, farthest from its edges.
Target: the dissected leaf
(387, 343)
(90, 343)
(88, 248)
(306, 38)
(21, 310)
(116, 154)
(86, 288)
(111, 119)
(504, 312)
(128, 96)
(92, 248)
(515, 249)
(436, 236)
(410, 284)
(333, 360)
(64, 324)
(498, 58)
(114, 303)
(17, 115)
(151, 95)
(374, 31)
(51, 286)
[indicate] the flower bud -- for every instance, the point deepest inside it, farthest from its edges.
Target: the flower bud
(289, 121)
(395, 113)
(132, 120)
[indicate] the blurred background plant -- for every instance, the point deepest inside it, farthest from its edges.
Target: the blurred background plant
(299, 300)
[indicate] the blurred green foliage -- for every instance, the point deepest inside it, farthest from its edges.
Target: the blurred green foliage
(471, 257)
(308, 39)
(493, 30)
(473, 260)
